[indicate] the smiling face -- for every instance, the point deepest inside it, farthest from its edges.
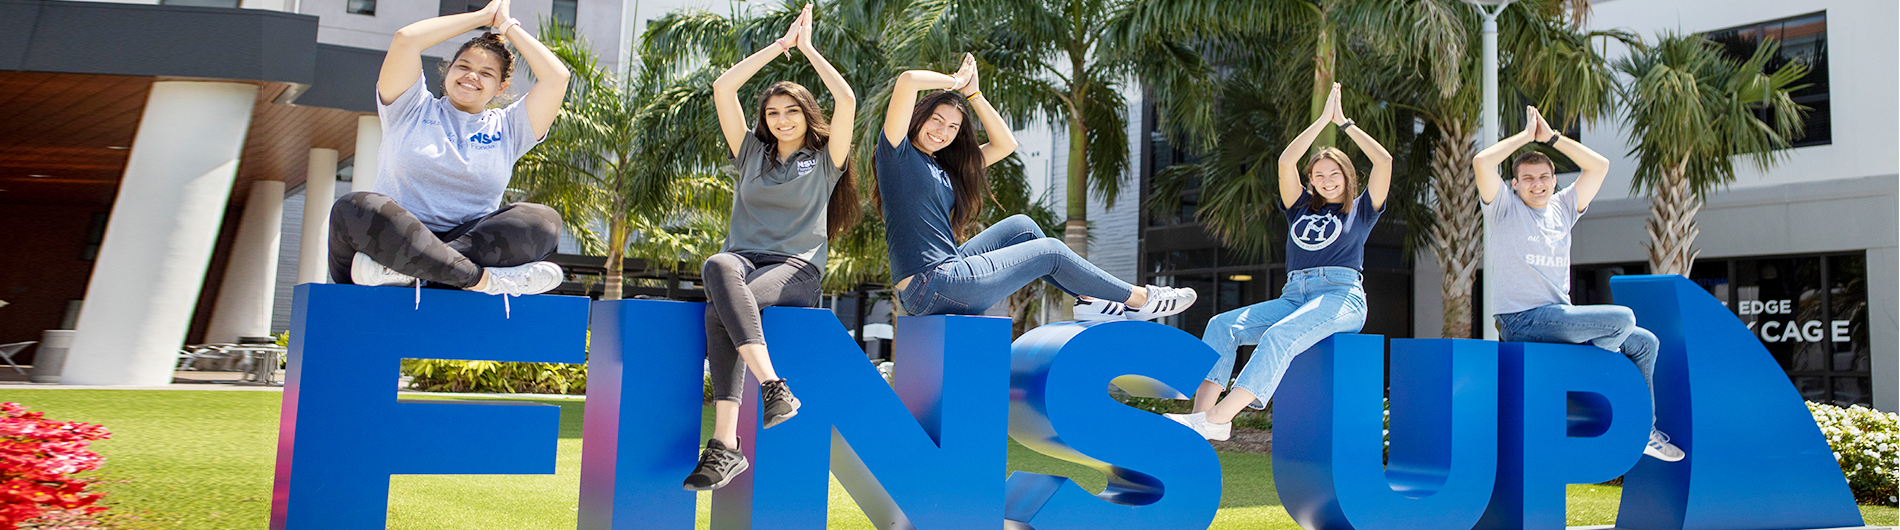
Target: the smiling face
(476, 77)
(1328, 180)
(1534, 183)
(939, 129)
(785, 119)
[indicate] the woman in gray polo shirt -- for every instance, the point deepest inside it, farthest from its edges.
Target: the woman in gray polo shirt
(445, 161)
(792, 193)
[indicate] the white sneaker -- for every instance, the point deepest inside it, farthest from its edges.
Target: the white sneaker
(366, 271)
(1096, 309)
(1198, 422)
(533, 278)
(1162, 302)
(1660, 448)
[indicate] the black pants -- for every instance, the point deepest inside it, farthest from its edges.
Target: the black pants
(373, 224)
(737, 285)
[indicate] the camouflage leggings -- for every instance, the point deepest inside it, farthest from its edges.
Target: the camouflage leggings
(373, 224)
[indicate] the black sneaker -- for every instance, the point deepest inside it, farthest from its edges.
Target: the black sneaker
(718, 464)
(780, 405)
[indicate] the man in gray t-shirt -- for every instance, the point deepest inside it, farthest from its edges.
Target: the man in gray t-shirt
(1530, 230)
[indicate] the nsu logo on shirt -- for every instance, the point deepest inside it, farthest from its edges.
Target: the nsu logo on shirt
(484, 138)
(1315, 231)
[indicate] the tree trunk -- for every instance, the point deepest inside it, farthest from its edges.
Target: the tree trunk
(1075, 232)
(1458, 233)
(1324, 57)
(614, 278)
(1671, 225)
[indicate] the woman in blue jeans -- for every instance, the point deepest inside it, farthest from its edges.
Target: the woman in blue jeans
(930, 186)
(1327, 220)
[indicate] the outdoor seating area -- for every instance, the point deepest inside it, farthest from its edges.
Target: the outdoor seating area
(256, 359)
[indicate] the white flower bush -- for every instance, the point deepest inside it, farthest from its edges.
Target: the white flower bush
(1866, 442)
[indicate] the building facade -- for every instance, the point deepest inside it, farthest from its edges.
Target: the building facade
(1804, 252)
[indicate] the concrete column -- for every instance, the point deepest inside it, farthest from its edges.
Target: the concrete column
(319, 192)
(369, 142)
(160, 235)
(250, 279)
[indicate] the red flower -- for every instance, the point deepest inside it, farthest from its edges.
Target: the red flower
(37, 459)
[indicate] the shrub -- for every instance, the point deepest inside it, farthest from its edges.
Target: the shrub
(37, 460)
(1866, 442)
(438, 375)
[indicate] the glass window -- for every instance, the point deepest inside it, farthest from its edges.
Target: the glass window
(1803, 39)
(361, 7)
(1811, 314)
(566, 12)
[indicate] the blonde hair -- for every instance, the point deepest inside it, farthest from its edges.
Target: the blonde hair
(1315, 201)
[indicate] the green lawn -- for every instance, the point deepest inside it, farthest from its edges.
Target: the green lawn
(199, 460)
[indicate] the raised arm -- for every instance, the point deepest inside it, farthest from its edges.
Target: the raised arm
(1594, 165)
(1002, 140)
(1380, 181)
(543, 102)
(904, 101)
(844, 112)
(1484, 167)
(403, 64)
(1290, 158)
(732, 122)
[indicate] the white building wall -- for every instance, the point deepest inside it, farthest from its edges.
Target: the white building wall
(1115, 229)
(1827, 198)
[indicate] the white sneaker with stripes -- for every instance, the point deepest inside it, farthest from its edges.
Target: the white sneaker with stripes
(1096, 309)
(1659, 447)
(1163, 302)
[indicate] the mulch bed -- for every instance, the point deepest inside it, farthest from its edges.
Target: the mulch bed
(1257, 441)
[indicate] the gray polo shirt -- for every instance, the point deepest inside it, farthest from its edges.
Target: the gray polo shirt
(780, 208)
(1533, 249)
(444, 165)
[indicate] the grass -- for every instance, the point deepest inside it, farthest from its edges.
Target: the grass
(202, 461)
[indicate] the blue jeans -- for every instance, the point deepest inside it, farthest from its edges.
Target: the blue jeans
(1316, 303)
(1611, 327)
(997, 262)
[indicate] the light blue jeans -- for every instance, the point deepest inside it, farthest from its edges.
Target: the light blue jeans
(1316, 303)
(1000, 260)
(1611, 327)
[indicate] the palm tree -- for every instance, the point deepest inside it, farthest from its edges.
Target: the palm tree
(1544, 57)
(1409, 60)
(634, 147)
(1063, 63)
(1693, 111)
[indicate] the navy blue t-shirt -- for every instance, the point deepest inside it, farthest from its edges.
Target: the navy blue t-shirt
(1326, 238)
(917, 197)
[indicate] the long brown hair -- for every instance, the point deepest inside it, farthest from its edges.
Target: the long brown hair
(841, 211)
(962, 160)
(1314, 200)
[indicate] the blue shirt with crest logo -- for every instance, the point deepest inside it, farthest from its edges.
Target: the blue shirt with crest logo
(918, 198)
(1327, 237)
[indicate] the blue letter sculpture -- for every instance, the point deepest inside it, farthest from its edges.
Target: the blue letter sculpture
(634, 454)
(1160, 474)
(1444, 434)
(1568, 414)
(927, 457)
(336, 450)
(1756, 459)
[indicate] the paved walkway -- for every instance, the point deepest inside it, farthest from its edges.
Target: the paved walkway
(181, 380)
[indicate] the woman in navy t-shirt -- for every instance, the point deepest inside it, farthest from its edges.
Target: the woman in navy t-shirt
(930, 186)
(1327, 223)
